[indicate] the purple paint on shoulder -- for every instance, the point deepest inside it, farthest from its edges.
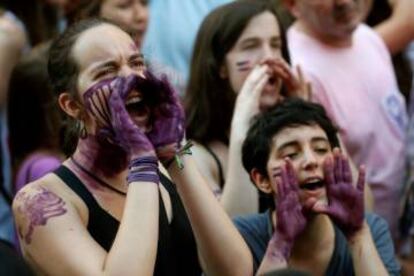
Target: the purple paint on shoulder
(39, 208)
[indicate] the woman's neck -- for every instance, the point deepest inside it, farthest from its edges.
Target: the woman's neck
(100, 156)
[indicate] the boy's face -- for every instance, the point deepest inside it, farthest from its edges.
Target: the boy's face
(306, 146)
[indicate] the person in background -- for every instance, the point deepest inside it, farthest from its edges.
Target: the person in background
(239, 68)
(12, 43)
(32, 112)
(169, 40)
(39, 18)
(132, 17)
(329, 41)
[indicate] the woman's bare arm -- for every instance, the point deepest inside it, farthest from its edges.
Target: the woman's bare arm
(55, 240)
(221, 248)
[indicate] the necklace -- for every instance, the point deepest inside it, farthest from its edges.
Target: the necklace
(97, 179)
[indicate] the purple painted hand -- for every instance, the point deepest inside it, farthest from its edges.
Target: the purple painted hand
(346, 202)
(168, 121)
(290, 217)
(106, 101)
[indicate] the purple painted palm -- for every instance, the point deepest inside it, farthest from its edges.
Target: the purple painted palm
(168, 119)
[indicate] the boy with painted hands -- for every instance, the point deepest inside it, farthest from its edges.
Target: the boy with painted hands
(318, 225)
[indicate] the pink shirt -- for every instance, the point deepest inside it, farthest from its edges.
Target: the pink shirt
(357, 86)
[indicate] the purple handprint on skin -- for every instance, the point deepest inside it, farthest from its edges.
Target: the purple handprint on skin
(346, 202)
(127, 133)
(166, 115)
(38, 208)
(96, 101)
(290, 217)
(106, 101)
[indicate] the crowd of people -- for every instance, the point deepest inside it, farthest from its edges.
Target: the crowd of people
(215, 137)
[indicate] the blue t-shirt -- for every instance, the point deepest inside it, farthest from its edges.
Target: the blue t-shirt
(6, 218)
(171, 32)
(257, 231)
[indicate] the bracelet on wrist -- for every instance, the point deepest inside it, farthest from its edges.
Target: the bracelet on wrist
(143, 169)
(185, 150)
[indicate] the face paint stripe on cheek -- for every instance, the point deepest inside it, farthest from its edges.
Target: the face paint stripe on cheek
(276, 171)
(243, 66)
(103, 101)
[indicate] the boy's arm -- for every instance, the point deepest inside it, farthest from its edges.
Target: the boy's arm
(364, 253)
(274, 257)
(290, 219)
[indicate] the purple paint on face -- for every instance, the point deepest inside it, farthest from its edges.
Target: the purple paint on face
(122, 136)
(276, 171)
(39, 208)
(243, 66)
(123, 130)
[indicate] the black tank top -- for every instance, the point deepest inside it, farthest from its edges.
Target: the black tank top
(265, 201)
(176, 252)
(219, 166)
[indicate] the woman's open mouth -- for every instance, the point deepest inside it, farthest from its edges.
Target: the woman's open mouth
(138, 109)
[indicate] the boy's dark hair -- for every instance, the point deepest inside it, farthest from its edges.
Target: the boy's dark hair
(290, 113)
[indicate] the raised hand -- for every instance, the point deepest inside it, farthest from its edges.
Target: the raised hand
(296, 85)
(290, 218)
(345, 202)
(248, 100)
(168, 120)
(106, 101)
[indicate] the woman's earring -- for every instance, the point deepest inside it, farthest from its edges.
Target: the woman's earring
(82, 129)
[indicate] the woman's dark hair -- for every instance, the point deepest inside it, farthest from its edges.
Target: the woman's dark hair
(209, 100)
(290, 113)
(63, 71)
(34, 119)
(39, 18)
(84, 9)
(62, 68)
